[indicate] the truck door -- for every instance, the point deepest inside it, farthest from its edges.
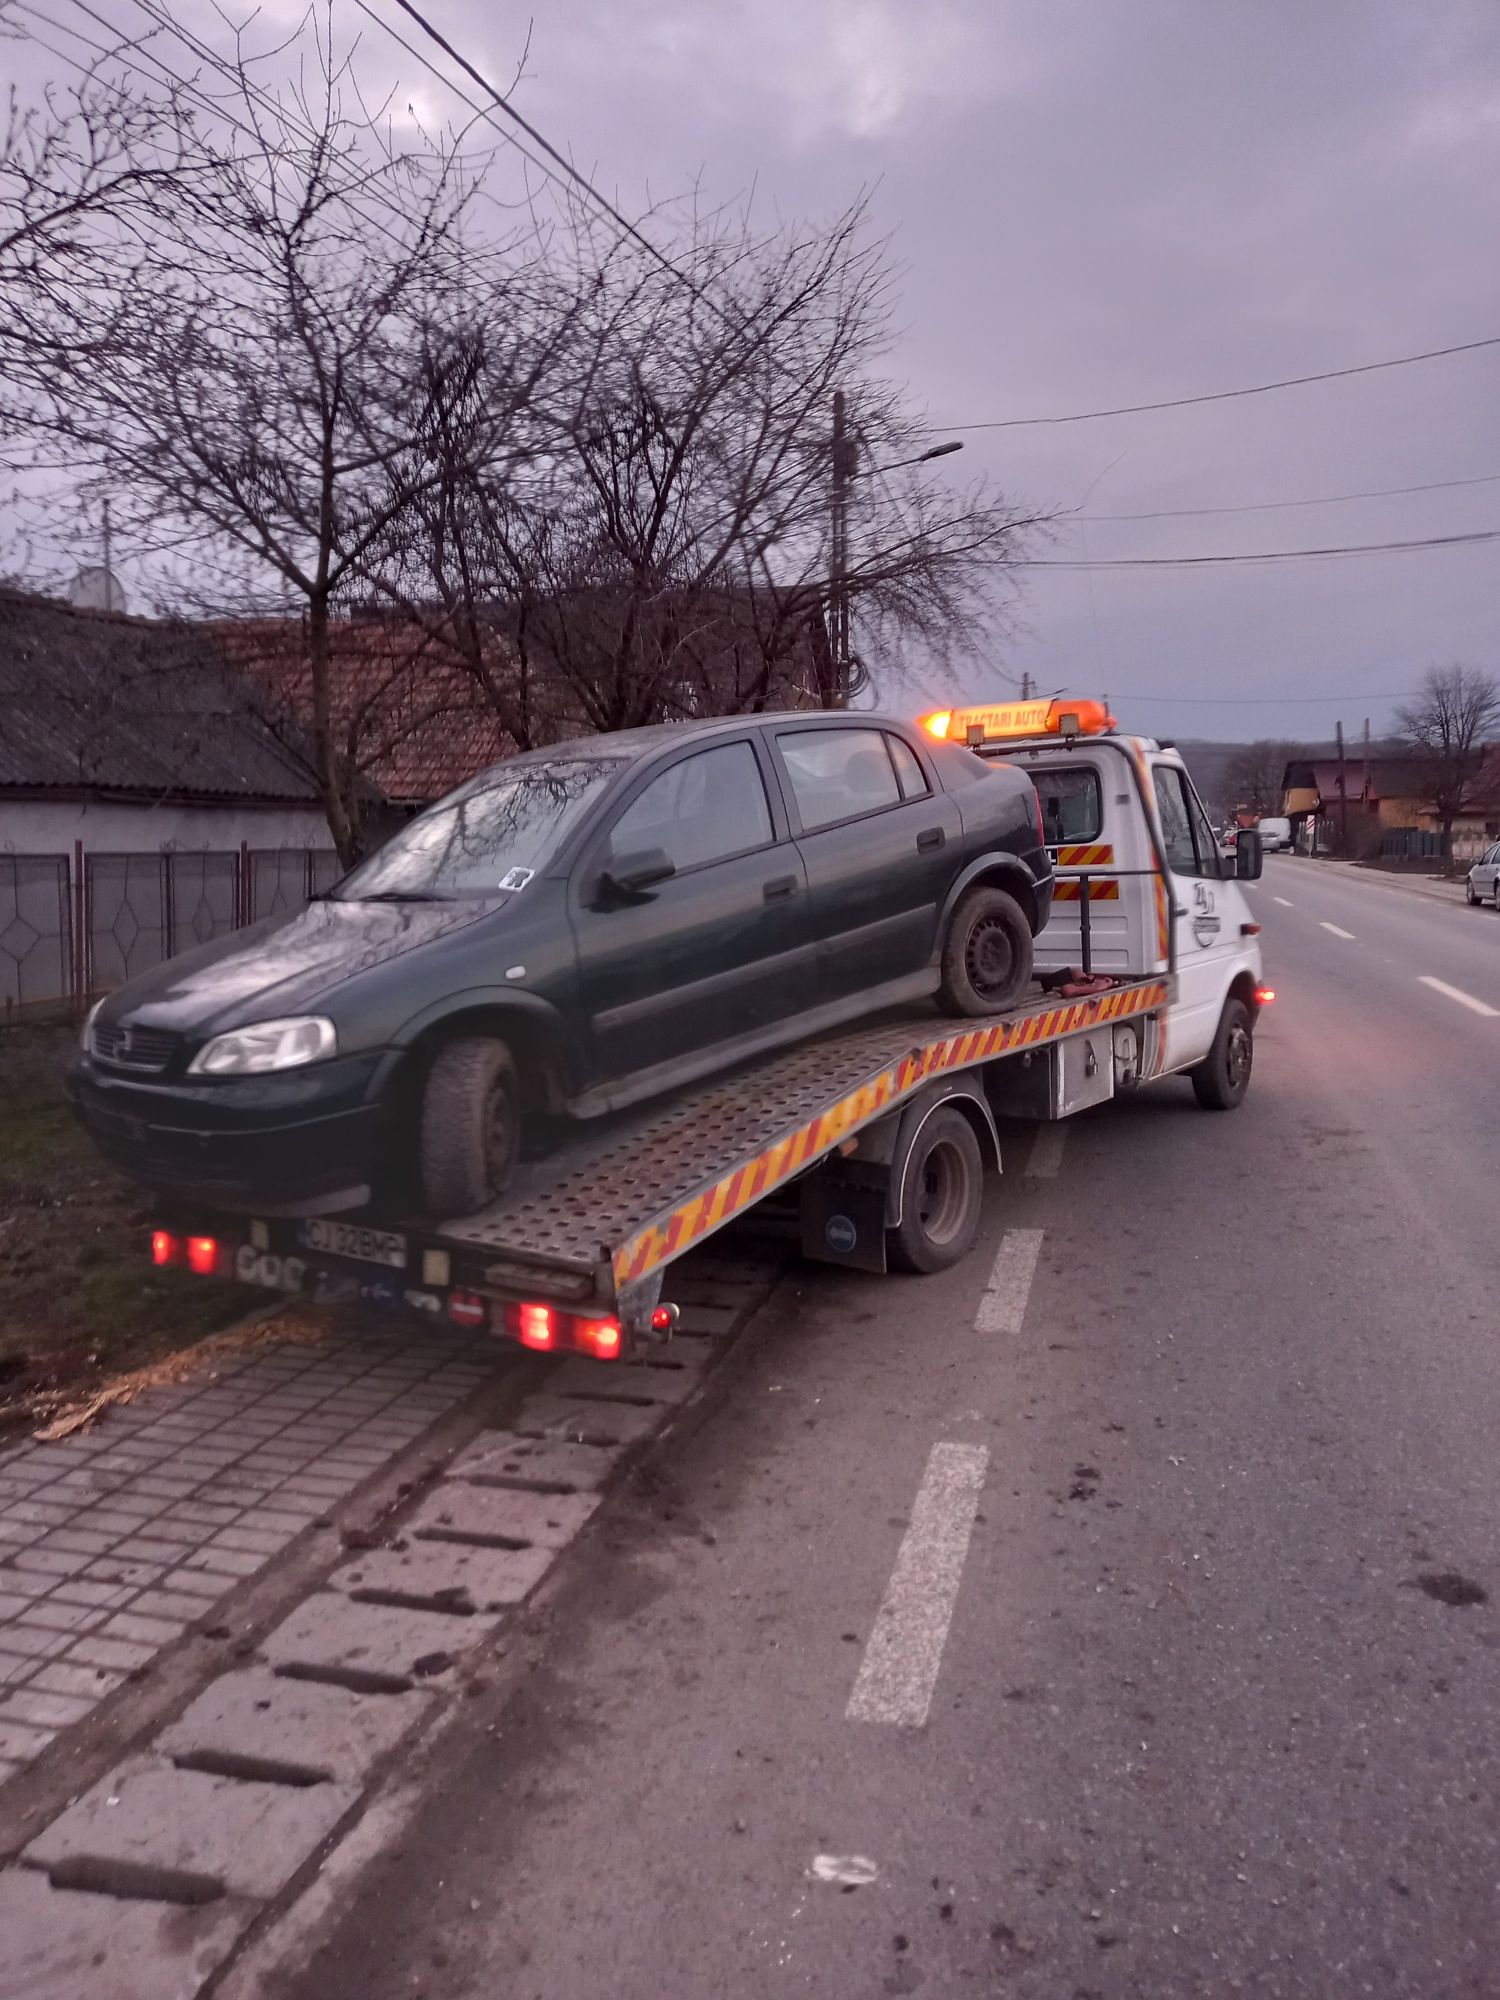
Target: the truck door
(1206, 908)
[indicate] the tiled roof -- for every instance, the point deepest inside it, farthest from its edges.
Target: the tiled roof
(98, 701)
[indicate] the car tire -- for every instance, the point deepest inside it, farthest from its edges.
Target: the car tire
(1222, 1078)
(470, 1126)
(1473, 900)
(942, 1192)
(986, 962)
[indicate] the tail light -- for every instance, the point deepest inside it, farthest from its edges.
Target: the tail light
(202, 1255)
(1264, 995)
(535, 1327)
(600, 1337)
(163, 1247)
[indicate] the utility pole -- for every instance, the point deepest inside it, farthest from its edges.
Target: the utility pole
(1025, 685)
(1343, 795)
(843, 469)
(1364, 790)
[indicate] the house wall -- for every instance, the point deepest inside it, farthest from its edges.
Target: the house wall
(40, 826)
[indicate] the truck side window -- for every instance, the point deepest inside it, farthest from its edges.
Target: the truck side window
(1190, 845)
(1072, 806)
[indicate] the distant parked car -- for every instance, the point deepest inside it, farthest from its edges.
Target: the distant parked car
(1484, 877)
(574, 930)
(1275, 834)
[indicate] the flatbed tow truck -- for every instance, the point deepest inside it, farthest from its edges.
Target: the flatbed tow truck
(877, 1137)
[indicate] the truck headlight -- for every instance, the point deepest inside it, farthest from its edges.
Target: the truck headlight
(266, 1045)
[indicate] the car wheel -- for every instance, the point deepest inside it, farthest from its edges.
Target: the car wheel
(1473, 900)
(1222, 1078)
(470, 1125)
(986, 963)
(942, 1188)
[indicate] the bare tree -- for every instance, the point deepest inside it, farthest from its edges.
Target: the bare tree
(664, 546)
(1446, 725)
(254, 406)
(1254, 775)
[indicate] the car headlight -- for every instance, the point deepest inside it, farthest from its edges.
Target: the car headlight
(86, 1032)
(266, 1045)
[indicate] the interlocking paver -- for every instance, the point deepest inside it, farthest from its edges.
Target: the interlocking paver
(58, 1944)
(95, 1651)
(21, 1741)
(454, 1511)
(444, 1576)
(370, 1645)
(15, 1668)
(43, 1708)
(35, 1642)
(60, 1677)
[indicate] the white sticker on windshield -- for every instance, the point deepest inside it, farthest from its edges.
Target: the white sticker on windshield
(516, 878)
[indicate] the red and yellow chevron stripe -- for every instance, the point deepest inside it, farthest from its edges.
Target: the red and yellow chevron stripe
(674, 1232)
(1094, 856)
(1099, 892)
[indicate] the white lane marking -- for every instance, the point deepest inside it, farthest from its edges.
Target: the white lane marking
(1337, 932)
(900, 1667)
(854, 1870)
(1463, 999)
(1285, 904)
(1046, 1152)
(1003, 1306)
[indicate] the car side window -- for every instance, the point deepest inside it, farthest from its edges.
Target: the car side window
(908, 771)
(838, 774)
(1190, 846)
(703, 808)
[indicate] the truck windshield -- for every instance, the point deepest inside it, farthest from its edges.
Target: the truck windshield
(491, 836)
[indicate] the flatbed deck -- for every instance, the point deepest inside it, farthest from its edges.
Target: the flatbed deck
(623, 1197)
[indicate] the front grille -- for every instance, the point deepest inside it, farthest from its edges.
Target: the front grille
(127, 1046)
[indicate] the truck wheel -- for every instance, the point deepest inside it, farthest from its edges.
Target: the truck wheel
(1222, 1078)
(942, 1186)
(470, 1125)
(986, 963)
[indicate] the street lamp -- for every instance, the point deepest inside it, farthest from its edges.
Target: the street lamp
(844, 469)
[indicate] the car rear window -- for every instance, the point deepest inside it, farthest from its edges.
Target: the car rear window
(1072, 802)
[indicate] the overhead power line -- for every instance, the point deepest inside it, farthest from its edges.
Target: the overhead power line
(1260, 700)
(1274, 506)
(1223, 395)
(540, 139)
(1268, 556)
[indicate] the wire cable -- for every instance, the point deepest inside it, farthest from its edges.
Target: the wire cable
(1274, 506)
(1221, 395)
(1269, 556)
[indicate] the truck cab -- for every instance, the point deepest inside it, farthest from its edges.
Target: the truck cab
(1141, 883)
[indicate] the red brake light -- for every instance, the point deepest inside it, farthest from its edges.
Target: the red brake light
(163, 1247)
(599, 1337)
(1264, 995)
(534, 1326)
(202, 1255)
(664, 1319)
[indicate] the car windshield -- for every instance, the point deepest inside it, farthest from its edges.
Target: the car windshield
(492, 836)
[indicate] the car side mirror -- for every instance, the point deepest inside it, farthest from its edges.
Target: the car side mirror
(635, 873)
(1247, 855)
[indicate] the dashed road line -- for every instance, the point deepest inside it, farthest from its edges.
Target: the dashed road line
(1046, 1152)
(1463, 999)
(1323, 925)
(1003, 1307)
(900, 1667)
(1285, 902)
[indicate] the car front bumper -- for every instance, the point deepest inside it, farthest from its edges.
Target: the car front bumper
(295, 1141)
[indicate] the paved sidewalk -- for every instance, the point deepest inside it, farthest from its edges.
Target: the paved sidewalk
(114, 1542)
(1419, 885)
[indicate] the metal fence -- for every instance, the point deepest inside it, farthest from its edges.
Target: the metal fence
(36, 931)
(1410, 843)
(74, 926)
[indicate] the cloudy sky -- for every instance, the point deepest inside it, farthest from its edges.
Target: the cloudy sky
(1118, 202)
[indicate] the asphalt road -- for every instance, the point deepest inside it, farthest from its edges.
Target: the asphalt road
(1175, 1690)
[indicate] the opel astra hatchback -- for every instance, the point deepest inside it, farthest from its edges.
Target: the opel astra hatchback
(574, 930)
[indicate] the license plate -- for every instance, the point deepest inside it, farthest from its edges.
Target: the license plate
(348, 1239)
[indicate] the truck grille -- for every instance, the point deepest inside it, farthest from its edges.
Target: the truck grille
(132, 1047)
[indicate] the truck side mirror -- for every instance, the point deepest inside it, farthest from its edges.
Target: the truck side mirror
(1248, 860)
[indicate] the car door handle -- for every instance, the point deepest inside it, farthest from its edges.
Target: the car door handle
(931, 837)
(778, 890)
